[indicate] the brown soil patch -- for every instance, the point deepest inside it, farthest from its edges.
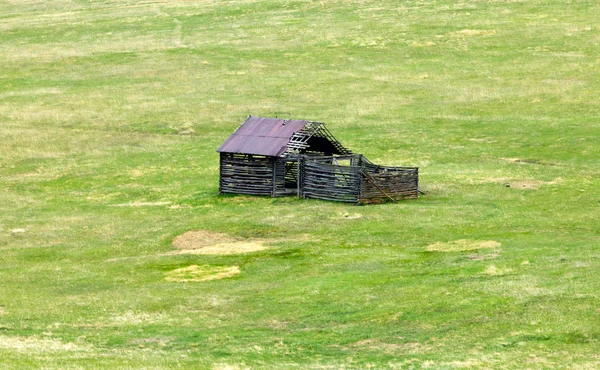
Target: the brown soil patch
(196, 273)
(226, 248)
(462, 245)
(200, 239)
(208, 242)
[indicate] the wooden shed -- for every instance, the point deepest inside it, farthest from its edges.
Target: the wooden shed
(276, 157)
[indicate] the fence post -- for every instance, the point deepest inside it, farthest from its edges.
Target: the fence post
(300, 176)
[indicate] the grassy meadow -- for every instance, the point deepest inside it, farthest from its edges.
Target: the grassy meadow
(110, 115)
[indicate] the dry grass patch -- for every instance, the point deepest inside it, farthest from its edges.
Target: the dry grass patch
(142, 204)
(416, 44)
(226, 248)
(468, 32)
(482, 257)
(520, 287)
(200, 239)
(32, 344)
(376, 344)
(469, 363)
(495, 271)
(462, 245)
(208, 242)
(349, 216)
(196, 273)
(136, 318)
(526, 184)
(229, 367)
(533, 184)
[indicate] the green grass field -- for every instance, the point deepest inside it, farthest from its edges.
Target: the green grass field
(110, 115)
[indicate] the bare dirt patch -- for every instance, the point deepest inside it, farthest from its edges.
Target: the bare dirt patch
(3, 311)
(462, 245)
(208, 242)
(196, 273)
(226, 248)
(200, 239)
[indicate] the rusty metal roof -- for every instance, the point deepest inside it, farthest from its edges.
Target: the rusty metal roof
(262, 136)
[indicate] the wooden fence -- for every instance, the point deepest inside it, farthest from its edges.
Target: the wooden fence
(345, 178)
(360, 181)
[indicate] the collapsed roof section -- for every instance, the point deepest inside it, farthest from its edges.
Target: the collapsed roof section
(276, 137)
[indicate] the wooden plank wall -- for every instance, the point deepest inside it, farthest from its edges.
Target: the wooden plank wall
(246, 174)
(396, 182)
(361, 182)
(330, 182)
(286, 175)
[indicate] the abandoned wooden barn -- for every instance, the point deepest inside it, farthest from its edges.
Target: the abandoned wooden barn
(276, 157)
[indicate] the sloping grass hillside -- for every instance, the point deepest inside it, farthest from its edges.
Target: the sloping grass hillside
(117, 252)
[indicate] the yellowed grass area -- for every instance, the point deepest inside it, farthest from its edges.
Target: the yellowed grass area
(135, 318)
(521, 288)
(31, 344)
(466, 364)
(527, 184)
(462, 245)
(200, 239)
(142, 204)
(195, 273)
(208, 242)
(495, 271)
(422, 44)
(350, 216)
(226, 248)
(468, 32)
(376, 344)
(229, 367)
(483, 257)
